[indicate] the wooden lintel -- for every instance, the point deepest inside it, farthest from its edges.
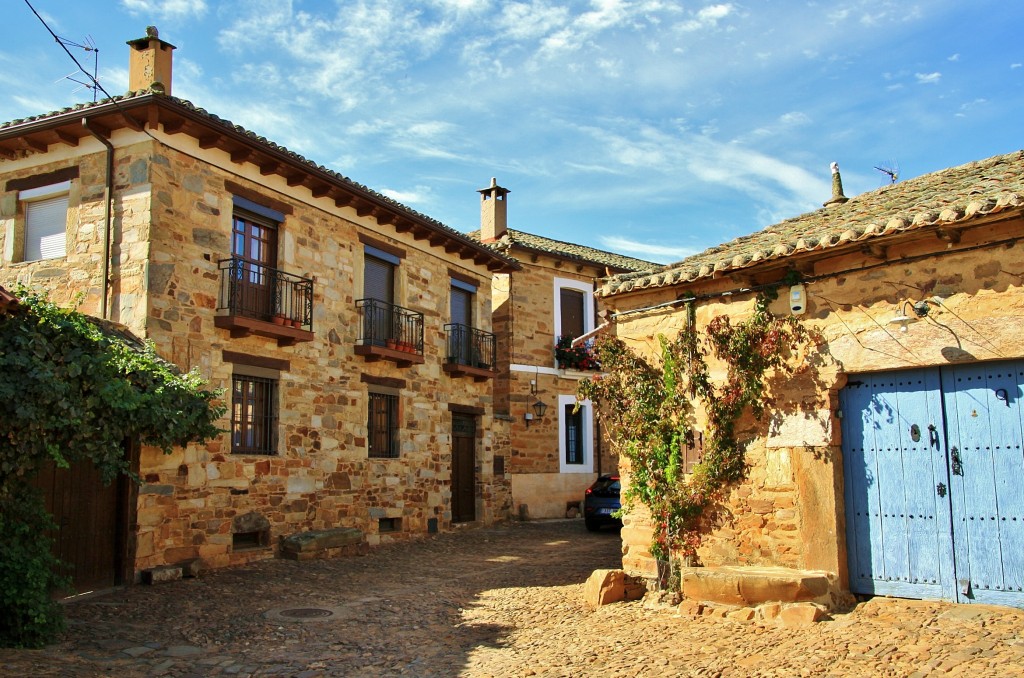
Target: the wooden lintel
(364, 209)
(342, 200)
(295, 179)
(209, 141)
(269, 167)
(948, 235)
(320, 190)
(35, 145)
(240, 155)
(174, 126)
(69, 139)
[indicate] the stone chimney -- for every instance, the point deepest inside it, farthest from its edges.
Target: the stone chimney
(837, 188)
(149, 62)
(493, 212)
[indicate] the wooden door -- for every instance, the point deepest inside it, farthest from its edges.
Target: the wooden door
(463, 469)
(898, 533)
(254, 247)
(986, 460)
(89, 537)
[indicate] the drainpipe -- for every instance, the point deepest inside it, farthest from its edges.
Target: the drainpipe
(107, 217)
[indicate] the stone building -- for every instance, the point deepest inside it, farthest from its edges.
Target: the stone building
(351, 335)
(556, 450)
(895, 461)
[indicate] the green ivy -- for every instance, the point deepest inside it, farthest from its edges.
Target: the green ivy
(649, 409)
(75, 392)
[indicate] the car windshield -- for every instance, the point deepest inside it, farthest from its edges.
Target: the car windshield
(607, 486)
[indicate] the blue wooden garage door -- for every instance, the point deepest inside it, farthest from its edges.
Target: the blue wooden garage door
(934, 472)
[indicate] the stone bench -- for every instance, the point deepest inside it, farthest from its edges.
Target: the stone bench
(338, 541)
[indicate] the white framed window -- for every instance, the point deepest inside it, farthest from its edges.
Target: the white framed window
(46, 221)
(575, 436)
(574, 307)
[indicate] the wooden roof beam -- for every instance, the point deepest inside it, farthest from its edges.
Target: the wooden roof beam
(320, 190)
(36, 145)
(386, 218)
(269, 167)
(454, 246)
(69, 139)
(403, 226)
(436, 239)
(420, 233)
(174, 126)
(7, 153)
(134, 123)
(343, 200)
(209, 141)
(875, 251)
(948, 235)
(364, 209)
(295, 179)
(240, 155)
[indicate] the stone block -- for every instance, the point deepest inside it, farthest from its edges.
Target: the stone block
(692, 608)
(743, 614)
(191, 568)
(315, 541)
(751, 586)
(604, 587)
(801, 615)
(161, 574)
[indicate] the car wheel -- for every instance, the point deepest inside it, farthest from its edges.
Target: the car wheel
(592, 525)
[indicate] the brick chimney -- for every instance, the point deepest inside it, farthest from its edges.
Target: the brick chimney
(149, 62)
(493, 212)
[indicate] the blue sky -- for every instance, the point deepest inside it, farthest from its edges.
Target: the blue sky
(653, 128)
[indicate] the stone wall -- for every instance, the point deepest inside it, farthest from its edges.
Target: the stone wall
(173, 225)
(524, 312)
(789, 511)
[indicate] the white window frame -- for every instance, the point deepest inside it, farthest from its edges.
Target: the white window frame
(34, 195)
(588, 305)
(587, 410)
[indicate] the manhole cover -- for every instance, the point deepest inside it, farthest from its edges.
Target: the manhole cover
(306, 612)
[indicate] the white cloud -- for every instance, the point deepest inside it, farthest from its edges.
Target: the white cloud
(1013, 66)
(647, 251)
(953, 57)
(166, 9)
(928, 78)
(417, 196)
(794, 118)
(707, 18)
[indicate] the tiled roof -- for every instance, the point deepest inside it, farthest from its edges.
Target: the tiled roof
(210, 118)
(568, 250)
(948, 197)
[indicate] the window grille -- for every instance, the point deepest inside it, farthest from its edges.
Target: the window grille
(382, 427)
(253, 415)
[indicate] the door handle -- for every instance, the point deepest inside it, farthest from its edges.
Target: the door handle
(958, 465)
(933, 435)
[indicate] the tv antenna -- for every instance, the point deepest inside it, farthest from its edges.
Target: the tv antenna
(88, 45)
(891, 170)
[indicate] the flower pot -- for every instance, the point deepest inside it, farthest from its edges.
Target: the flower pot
(278, 319)
(296, 323)
(391, 343)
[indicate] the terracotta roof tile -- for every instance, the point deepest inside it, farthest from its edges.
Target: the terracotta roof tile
(572, 251)
(944, 198)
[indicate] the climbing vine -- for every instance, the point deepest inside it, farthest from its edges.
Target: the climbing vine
(649, 412)
(74, 390)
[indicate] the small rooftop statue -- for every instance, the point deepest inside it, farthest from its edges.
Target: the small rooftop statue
(837, 187)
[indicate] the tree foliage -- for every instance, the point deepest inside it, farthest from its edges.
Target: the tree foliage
(649, 410)
(75, 390)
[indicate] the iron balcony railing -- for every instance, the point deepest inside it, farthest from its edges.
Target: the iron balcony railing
(390, 326)
(264, 293)
(470, 346)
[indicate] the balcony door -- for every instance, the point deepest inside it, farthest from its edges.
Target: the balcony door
(254, 248)
(379, 284)
(462, 317)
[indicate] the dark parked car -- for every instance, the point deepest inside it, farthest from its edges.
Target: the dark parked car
(601, 501)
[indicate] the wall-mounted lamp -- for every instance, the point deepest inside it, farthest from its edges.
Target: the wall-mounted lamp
(538, 408)
(918, 310)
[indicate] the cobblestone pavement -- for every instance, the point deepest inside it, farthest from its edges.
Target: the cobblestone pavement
(505, 601)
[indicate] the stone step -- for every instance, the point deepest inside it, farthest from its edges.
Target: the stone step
(750, 586)
(314, 543)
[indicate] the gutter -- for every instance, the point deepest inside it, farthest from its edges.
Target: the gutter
(108, 196)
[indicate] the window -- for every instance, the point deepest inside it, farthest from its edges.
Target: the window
(46, 221)
(253, 414)
(573, 434)
(576, 435)
(382, 425)
(574, 308)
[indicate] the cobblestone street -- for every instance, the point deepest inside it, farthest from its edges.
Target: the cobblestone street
(497, 602)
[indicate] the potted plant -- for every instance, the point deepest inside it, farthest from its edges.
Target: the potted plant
(391, 343)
